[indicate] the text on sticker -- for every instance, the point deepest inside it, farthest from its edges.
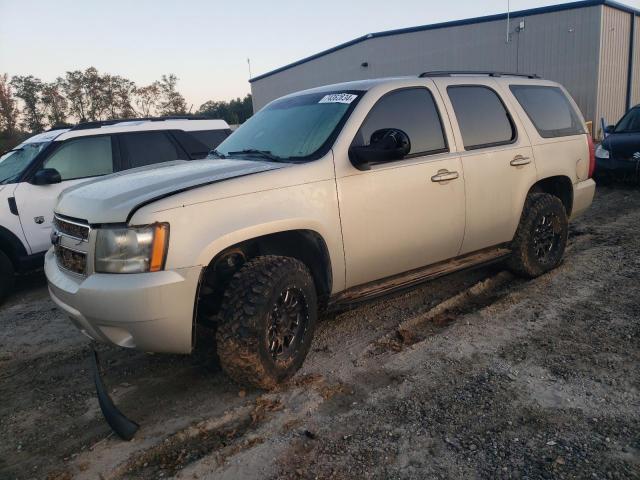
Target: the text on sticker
(338, 98)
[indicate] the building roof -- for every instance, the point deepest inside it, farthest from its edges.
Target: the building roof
(455, 23)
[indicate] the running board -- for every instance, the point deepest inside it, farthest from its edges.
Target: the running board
(120, 424)
(411, 278)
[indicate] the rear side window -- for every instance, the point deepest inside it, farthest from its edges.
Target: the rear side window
(411, 110)
(483, 119)
(82, 158)
(147, 148)
(211, 138)
(549, 110)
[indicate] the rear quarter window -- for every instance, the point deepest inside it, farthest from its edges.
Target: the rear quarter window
(549, 110)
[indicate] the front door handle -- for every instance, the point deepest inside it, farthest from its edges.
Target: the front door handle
(520, 160)
(444, 176)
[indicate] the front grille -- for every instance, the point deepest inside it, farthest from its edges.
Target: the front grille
(71, 260)
(71, 228)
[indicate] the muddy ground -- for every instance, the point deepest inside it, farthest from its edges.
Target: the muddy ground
(478, 375)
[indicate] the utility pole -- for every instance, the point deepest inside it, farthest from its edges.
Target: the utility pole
(249, 64)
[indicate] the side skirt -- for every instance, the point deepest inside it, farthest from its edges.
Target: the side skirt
(395, 283)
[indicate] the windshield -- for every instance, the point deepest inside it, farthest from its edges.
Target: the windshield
(292, 129)
(13, 163)
(630, 123)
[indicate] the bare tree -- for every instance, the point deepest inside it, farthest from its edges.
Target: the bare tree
(8, 108)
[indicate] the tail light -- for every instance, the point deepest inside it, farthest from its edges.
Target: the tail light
(592, 156)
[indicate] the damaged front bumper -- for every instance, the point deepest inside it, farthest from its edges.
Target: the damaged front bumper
(152, 312)
(120, 424)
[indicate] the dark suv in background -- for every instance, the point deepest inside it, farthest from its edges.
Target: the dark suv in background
(618, 156)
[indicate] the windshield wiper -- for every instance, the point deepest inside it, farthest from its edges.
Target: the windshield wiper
(217, 154)
(263, 153)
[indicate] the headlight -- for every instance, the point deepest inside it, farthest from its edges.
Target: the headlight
(131, 250)
(602, 152)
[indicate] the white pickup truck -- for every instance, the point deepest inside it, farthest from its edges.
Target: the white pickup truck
(324, 197)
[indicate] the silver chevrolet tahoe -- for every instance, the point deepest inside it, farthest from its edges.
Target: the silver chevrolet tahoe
(325, 197)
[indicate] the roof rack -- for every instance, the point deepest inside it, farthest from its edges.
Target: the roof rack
(104, 123)
(450, 73)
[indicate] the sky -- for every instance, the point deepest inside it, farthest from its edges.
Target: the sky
(205, 43)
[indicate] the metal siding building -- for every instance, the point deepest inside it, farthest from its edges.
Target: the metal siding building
(591, 47)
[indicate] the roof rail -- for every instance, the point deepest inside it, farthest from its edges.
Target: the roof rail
(104, 123)
(450, 73)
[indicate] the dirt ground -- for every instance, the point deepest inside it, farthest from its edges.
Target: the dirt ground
(477, 375)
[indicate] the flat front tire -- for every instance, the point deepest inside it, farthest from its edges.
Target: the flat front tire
(267, 320)
(541, 237)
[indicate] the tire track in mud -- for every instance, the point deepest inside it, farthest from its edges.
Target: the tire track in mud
(218, 437)
(415, 329)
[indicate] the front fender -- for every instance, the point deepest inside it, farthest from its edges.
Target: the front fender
(198, 232)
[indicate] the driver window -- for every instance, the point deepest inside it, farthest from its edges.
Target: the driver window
(82, 157)
(412, 110)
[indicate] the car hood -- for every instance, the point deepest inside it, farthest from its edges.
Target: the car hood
(113, 198)
(622, 146)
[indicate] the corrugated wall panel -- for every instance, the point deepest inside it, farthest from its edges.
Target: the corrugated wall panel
(635, 92)
(561, 46)
(564, 46)
(614, 64)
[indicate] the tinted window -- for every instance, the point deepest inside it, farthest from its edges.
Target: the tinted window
(483, 118)
(82, 157)
(412, 111)
(630, 123)
(549, 110)
(211, 138)
(147, 148)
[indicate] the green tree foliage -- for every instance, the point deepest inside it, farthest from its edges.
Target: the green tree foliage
(29, 90)
(234, 112)
(28, 105)
(9, 132)
(54, 102)
(171, 101)
(8, 107)
(147, 99)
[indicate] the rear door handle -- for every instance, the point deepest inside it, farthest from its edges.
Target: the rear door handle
(444, 176)
(520, 160)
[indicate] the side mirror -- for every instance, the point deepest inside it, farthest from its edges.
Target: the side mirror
(609, 129)
(47, 176)
(386, 145)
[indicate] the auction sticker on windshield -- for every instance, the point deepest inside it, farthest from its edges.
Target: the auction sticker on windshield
(338, 98)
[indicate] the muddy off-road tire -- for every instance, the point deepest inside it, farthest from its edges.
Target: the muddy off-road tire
(541, 236)
(267, 320)
(7, 276)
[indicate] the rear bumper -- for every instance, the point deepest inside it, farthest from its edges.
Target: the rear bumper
(583, 193)
(152, 312)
